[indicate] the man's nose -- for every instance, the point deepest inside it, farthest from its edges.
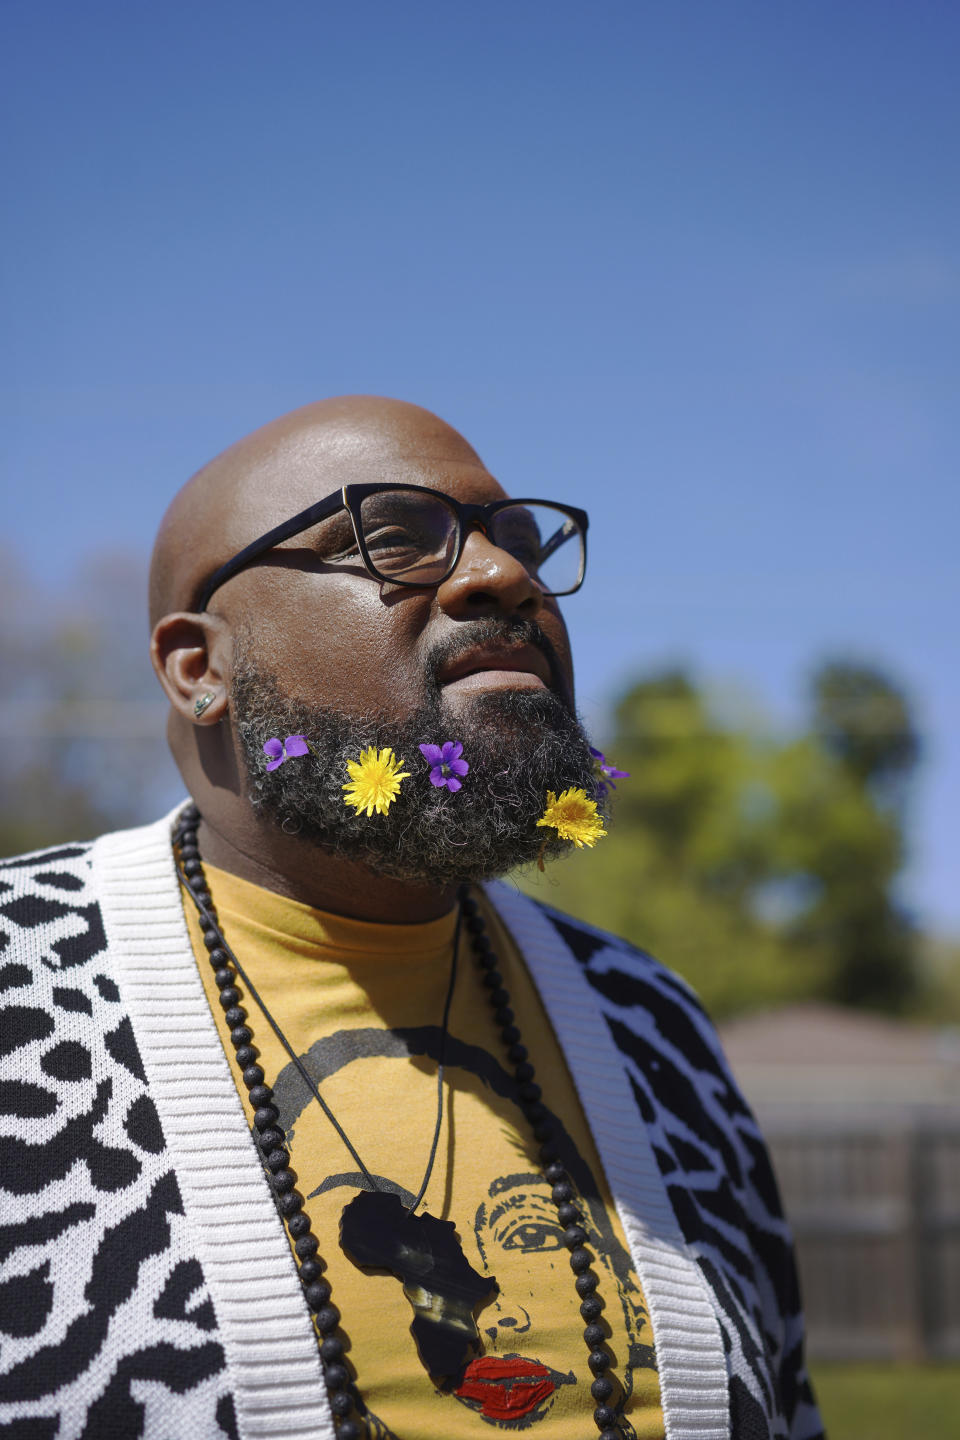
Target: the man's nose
(488, 581)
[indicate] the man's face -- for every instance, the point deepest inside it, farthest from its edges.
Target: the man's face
(325, 650)
(332, 635)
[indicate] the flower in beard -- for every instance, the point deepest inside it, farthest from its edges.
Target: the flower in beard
(374, 781)
(574, 817)
(277, 751)
(445, 763)
(606, 773)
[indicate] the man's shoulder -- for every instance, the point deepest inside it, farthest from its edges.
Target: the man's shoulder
(625, 966)
(643, 1001)
(42, 886)
(66, 855)
(56, 904)
(49, 916)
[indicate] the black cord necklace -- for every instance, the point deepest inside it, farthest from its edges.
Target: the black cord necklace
(377, 1231)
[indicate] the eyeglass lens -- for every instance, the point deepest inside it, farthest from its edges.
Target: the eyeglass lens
(411, 536)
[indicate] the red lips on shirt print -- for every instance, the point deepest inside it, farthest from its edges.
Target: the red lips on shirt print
(509, 1387)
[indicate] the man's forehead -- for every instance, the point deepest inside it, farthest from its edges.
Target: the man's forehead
(294, 461)
(286, 467)
(315, 464)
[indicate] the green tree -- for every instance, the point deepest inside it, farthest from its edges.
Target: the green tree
(761, 870)
(867, 747)
(81, 715)
(863, 719)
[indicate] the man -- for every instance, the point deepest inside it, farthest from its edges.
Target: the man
(274, 1166)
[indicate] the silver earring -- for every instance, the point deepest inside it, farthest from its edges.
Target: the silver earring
(204, 703)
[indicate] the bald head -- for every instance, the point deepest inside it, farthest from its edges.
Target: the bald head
(280, 469)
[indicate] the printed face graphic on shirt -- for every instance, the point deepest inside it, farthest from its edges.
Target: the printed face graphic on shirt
(519, 1236)
(528, 1349)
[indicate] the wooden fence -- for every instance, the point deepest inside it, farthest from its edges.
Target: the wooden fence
(874, 1202)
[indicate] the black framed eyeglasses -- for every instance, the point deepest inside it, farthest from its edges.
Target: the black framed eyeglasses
(413, 535)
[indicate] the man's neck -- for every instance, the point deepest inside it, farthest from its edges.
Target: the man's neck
(295, 868)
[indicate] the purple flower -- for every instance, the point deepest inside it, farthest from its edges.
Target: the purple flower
(277, 751)
(445, 763)
(606, 774)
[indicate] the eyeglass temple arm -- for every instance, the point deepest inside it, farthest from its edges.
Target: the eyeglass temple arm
(294, 526)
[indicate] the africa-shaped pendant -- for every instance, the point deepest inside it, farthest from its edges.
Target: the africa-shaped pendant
(377, 1232)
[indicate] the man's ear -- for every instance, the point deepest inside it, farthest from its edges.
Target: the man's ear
(190, 655)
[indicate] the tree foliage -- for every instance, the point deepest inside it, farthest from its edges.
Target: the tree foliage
(81, 716)
(761, 869)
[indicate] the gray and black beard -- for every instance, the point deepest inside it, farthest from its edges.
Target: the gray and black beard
(518, 743)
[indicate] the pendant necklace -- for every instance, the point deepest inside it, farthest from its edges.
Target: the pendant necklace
(377, 1231)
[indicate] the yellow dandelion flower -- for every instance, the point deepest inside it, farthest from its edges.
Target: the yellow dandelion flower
(374, 781)
(574, 817)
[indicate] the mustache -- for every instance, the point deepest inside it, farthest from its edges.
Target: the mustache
(489, 629)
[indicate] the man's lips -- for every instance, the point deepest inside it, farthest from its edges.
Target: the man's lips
(507, 1388)
(495, 666)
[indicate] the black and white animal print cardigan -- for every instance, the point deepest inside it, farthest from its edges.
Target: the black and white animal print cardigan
(147, 1287)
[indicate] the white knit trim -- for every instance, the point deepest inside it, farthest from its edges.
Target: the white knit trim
(269, 1341)
(686, 1332)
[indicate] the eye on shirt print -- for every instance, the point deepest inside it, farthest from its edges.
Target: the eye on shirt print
(523, 1363)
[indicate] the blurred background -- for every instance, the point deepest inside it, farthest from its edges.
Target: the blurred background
(694, 266)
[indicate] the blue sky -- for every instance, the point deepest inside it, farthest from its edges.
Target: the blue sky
(695, 266)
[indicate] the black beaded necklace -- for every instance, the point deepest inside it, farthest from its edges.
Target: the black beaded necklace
(345, 1403)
